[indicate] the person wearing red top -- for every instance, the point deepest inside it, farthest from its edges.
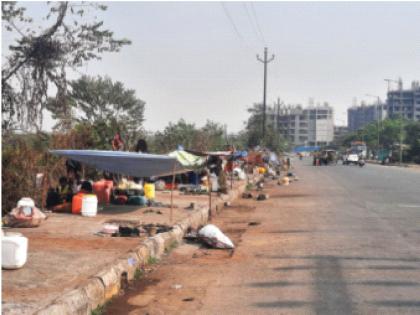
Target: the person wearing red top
(117, 143)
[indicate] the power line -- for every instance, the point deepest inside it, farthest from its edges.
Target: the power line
(256, 22)
(257, 35)
(233, 23)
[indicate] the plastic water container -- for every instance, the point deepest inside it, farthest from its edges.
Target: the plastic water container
(214, 183)
(89, 205)
(76, 204)
(149, 191)
(14, 250)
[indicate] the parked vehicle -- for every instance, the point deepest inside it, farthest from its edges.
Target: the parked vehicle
(354, 159)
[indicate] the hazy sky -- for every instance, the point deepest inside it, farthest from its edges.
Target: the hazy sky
(187, 60)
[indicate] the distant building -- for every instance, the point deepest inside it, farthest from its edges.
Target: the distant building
(340, 132)
(311, 126)
(405, 103)
(360, 116)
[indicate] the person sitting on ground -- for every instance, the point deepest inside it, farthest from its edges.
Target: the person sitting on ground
(86, 187)
(64, 190)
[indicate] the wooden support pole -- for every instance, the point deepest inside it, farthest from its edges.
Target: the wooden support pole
(172, 194)
(209, 188)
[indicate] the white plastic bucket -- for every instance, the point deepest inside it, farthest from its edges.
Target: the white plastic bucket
(89, 205)
(14, 250)
(214, 183)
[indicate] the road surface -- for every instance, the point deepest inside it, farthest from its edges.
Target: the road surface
(341, 240)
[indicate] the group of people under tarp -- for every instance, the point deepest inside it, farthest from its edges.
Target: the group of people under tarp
(60, 198)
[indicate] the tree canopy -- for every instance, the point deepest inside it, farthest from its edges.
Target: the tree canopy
(38, 61)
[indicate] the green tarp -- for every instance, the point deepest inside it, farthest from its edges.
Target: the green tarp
(188, 160)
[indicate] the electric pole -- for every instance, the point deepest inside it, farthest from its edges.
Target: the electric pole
(265, 61)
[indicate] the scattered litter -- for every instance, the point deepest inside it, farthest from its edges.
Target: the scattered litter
(262, 197)
(254, 223)
(191, 206)
(109, 228)
(156, 204)
(189, 299)
(239, 173)
(153, 229)
(212, 236)
(160, 185)
(285, 181)
(176, 286)
(193, 189)
(25, 215)
(152, 211)
(246, 195)
(126, 231)
(131, 261)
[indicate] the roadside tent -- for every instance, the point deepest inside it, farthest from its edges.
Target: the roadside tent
(126, 163)
(188, 160)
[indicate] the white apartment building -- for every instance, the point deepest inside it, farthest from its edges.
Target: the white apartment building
(313, 125)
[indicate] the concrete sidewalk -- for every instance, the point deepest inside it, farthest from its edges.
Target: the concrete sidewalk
(70, 270)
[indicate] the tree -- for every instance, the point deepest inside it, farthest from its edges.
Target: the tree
(211, 137)
(107, 106)
(272, 140)
(41, 58)
(181, 133)
(413, 141)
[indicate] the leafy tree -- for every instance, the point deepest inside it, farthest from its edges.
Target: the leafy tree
(209, 137)
(107, 106)
(39, 59)
(272, 139)
(182, 133)
(413, 141)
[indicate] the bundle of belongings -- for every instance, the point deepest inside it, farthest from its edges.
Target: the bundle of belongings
(25, 215)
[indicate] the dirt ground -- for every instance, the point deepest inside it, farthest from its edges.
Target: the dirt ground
(338, 241)
(64, 251)
(178, 284)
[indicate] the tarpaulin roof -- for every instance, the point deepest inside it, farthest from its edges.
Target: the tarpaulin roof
(127, 163)
(207, 153)
(187, 160)
(306, 149)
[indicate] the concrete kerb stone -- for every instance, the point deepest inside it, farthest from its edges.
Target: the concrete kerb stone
(111, 280)
(73, 302)
(107, 283)
(95, 292)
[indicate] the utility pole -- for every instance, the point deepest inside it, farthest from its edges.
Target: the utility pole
(401, 115)
(265, 61)
(378, 118)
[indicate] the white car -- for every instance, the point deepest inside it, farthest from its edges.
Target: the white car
(353, 158)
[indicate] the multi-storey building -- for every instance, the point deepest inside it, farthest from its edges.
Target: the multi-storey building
(360, 116)
(404, 103)
(304, 126)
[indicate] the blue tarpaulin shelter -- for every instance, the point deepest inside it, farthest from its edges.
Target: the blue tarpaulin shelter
(126, 163)
(300, 149)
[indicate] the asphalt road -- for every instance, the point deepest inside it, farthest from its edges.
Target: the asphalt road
(341, 240)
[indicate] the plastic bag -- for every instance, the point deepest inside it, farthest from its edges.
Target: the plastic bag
(212, 235)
